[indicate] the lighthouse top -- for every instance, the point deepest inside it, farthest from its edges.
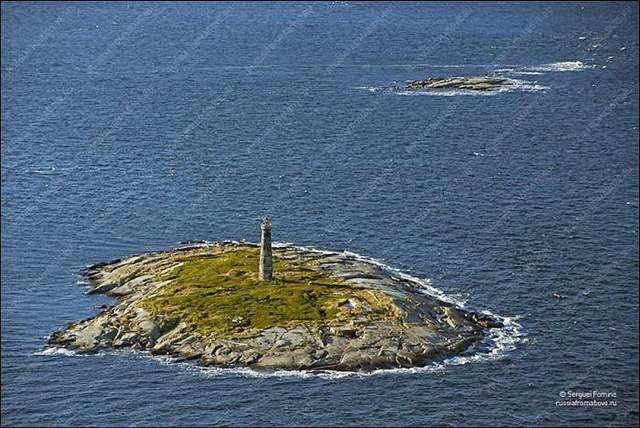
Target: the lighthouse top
(265, 224)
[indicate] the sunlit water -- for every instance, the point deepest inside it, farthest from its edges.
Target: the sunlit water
(132, 127)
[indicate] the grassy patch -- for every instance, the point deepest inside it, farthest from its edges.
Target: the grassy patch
(220, 294)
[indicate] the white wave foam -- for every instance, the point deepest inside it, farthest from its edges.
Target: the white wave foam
(561, 66)
(399, 91)
(521, 85)
(64, 352)
(55, 350)
(422, 285)
(370, 88)
(519, 72)
(45, 171)
(528, 73)
(445, 93)
(544, 68)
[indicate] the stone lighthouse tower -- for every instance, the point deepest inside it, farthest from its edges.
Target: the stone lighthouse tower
(266, 264)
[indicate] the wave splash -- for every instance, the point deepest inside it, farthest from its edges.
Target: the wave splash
(536, 70)
(561, 66)
(57, 351)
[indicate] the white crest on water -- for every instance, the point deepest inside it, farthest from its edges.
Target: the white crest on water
(59, 351)
(561, 66)
(56, 351)
(519, 72)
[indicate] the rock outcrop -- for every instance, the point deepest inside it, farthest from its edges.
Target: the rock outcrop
(373, 318)
(481, 83)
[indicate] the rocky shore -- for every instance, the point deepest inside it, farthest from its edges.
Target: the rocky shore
(480, 83)
(321, 311)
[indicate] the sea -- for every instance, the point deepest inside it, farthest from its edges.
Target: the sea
(138, 126)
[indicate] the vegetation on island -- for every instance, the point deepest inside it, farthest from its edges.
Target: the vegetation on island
(220, 294)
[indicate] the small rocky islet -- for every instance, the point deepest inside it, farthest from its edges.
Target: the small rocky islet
(319, 311)
(470, 83)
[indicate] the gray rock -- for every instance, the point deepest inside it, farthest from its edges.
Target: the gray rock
(473, 83)
(126, 339)
(150, 329)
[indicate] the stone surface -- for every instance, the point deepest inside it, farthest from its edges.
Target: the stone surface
(479, 83)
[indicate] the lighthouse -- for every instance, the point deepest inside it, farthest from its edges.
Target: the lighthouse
(265, 272)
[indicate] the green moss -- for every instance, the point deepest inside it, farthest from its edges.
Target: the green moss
(220, 294)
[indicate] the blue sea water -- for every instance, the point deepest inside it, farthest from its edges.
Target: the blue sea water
(129, 127)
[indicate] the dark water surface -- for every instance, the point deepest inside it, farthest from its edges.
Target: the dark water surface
(129, 127)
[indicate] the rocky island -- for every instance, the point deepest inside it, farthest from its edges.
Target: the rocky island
(239, 304)
(475, 83)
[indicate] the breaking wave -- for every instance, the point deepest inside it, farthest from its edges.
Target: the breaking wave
(536, 70)
(519, 72)
(45, 171)
(372, 88)
(59, 351)
(55, 350)
(561, 66)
